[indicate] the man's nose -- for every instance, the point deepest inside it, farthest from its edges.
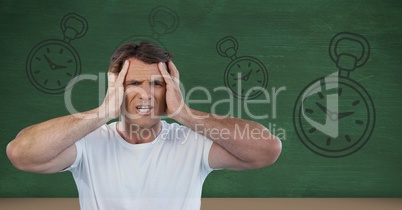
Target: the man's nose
(145, 93)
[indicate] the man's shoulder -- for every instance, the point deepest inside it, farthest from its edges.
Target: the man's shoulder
(182, 133)
(106, 129)
(104, 132)
(172, 126)
(175, 128)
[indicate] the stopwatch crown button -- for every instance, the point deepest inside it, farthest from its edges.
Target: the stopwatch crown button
(160, 28)
(70, 33)
(346, 62)
(230, 52)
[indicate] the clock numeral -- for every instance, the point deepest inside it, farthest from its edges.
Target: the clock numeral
(58, 82)
(68, 74)
(47, 50)
(355, 103)
(259, 81)
(340, 91)
(61, 51)
(69, 61)
(38, 59)
(320, 95)
(312, 130)
(37, 72)
(45, 82)
(359, 122)
(329, 141)
(238, 65)
(309, 111)
(249, 64)
(258, 70)
(347, 137)
(322, 84)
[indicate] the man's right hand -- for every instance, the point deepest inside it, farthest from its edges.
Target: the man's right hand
(112, 103)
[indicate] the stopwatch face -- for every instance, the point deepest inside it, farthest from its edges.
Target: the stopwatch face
(51, 65)
(334, 118)
(246, 77)
(141, 38)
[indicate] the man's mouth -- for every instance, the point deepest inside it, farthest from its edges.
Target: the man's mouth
(144, 109)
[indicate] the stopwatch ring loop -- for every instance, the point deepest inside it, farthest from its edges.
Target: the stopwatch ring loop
(80, 19)
(167, 28)
(353, 37)
(227, 51)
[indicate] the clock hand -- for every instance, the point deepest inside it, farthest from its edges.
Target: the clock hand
(51, 64)
(59, 67)
(248, 75)
(324, 109)
(344, 114)
(239, 78)
(245, 77)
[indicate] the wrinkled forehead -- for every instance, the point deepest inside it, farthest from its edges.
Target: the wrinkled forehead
(139, 70)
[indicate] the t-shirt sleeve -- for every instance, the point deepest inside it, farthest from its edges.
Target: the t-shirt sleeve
(205, 156)
(79, 146)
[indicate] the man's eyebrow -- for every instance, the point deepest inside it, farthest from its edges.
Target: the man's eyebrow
(160, 79)
(133, 81)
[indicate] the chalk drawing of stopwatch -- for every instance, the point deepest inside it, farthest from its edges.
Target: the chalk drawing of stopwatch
(245, 76)
(334, 116)
(162, 20)
(53, 63)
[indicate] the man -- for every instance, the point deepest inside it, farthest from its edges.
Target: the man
(142, 162)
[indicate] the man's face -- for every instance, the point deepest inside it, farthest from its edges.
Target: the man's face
(145, 88)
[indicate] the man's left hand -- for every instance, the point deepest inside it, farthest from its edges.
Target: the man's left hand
(174, 97)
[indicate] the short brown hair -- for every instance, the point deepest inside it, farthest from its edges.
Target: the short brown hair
(144, 51)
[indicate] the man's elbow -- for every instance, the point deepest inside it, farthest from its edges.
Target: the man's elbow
(275, 150)
(270, 154)
(16, 158)
(12, 155)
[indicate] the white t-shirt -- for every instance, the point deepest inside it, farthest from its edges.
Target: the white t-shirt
(167, 173)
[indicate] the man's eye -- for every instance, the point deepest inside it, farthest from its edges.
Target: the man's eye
(156, 83)
(134, 83)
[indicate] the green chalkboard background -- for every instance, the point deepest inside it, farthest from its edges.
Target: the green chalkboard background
(290, 38)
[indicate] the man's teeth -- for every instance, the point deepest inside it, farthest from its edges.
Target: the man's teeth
(144, 108)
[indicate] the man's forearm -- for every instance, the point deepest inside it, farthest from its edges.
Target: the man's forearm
(247, 140)
(42, 142)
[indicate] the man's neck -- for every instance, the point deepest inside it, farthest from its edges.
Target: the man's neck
(135, 134)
